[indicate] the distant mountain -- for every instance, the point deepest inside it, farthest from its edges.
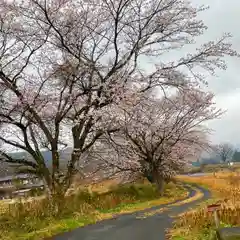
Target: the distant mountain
(6, 169)
(47, 155)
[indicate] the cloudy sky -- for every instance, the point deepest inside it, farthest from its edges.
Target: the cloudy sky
(223, 16)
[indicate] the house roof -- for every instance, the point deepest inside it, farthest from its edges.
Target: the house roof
(16, 176)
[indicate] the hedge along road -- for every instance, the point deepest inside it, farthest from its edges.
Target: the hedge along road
(149, 224)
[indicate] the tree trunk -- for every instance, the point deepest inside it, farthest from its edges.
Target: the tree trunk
(71, 169)
(47, 187)
(55, 195)
(158, 179)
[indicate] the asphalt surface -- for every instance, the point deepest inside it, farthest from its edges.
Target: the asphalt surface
(133, 226)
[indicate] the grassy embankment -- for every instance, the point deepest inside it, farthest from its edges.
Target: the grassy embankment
(197, 224)
(38, 219)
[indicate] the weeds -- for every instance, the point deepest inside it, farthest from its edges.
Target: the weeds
(198, 224)
(40, 218)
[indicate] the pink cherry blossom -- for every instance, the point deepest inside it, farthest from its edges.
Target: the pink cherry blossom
(70, 74)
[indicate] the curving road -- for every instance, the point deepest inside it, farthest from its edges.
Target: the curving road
(134, 226)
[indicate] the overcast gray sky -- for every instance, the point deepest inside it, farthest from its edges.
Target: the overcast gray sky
(223, 16)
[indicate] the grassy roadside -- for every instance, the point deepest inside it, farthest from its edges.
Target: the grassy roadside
(188, 225)
(197, 224)
(38, 219)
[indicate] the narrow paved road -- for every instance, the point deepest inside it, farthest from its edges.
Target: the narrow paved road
(133, 226)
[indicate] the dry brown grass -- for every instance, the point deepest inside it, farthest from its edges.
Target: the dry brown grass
(100, 187)
(228, 213)
(33, 220)
(103, 186)
(224, 184)
(199, 223)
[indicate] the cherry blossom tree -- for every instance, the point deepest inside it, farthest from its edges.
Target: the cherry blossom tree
(160, 136)
(65, 64)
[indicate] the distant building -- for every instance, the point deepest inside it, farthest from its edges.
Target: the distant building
(18, 185)
(88, 169)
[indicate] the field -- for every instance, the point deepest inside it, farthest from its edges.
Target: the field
(38, 218)
(210, 168)
(198, 224)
